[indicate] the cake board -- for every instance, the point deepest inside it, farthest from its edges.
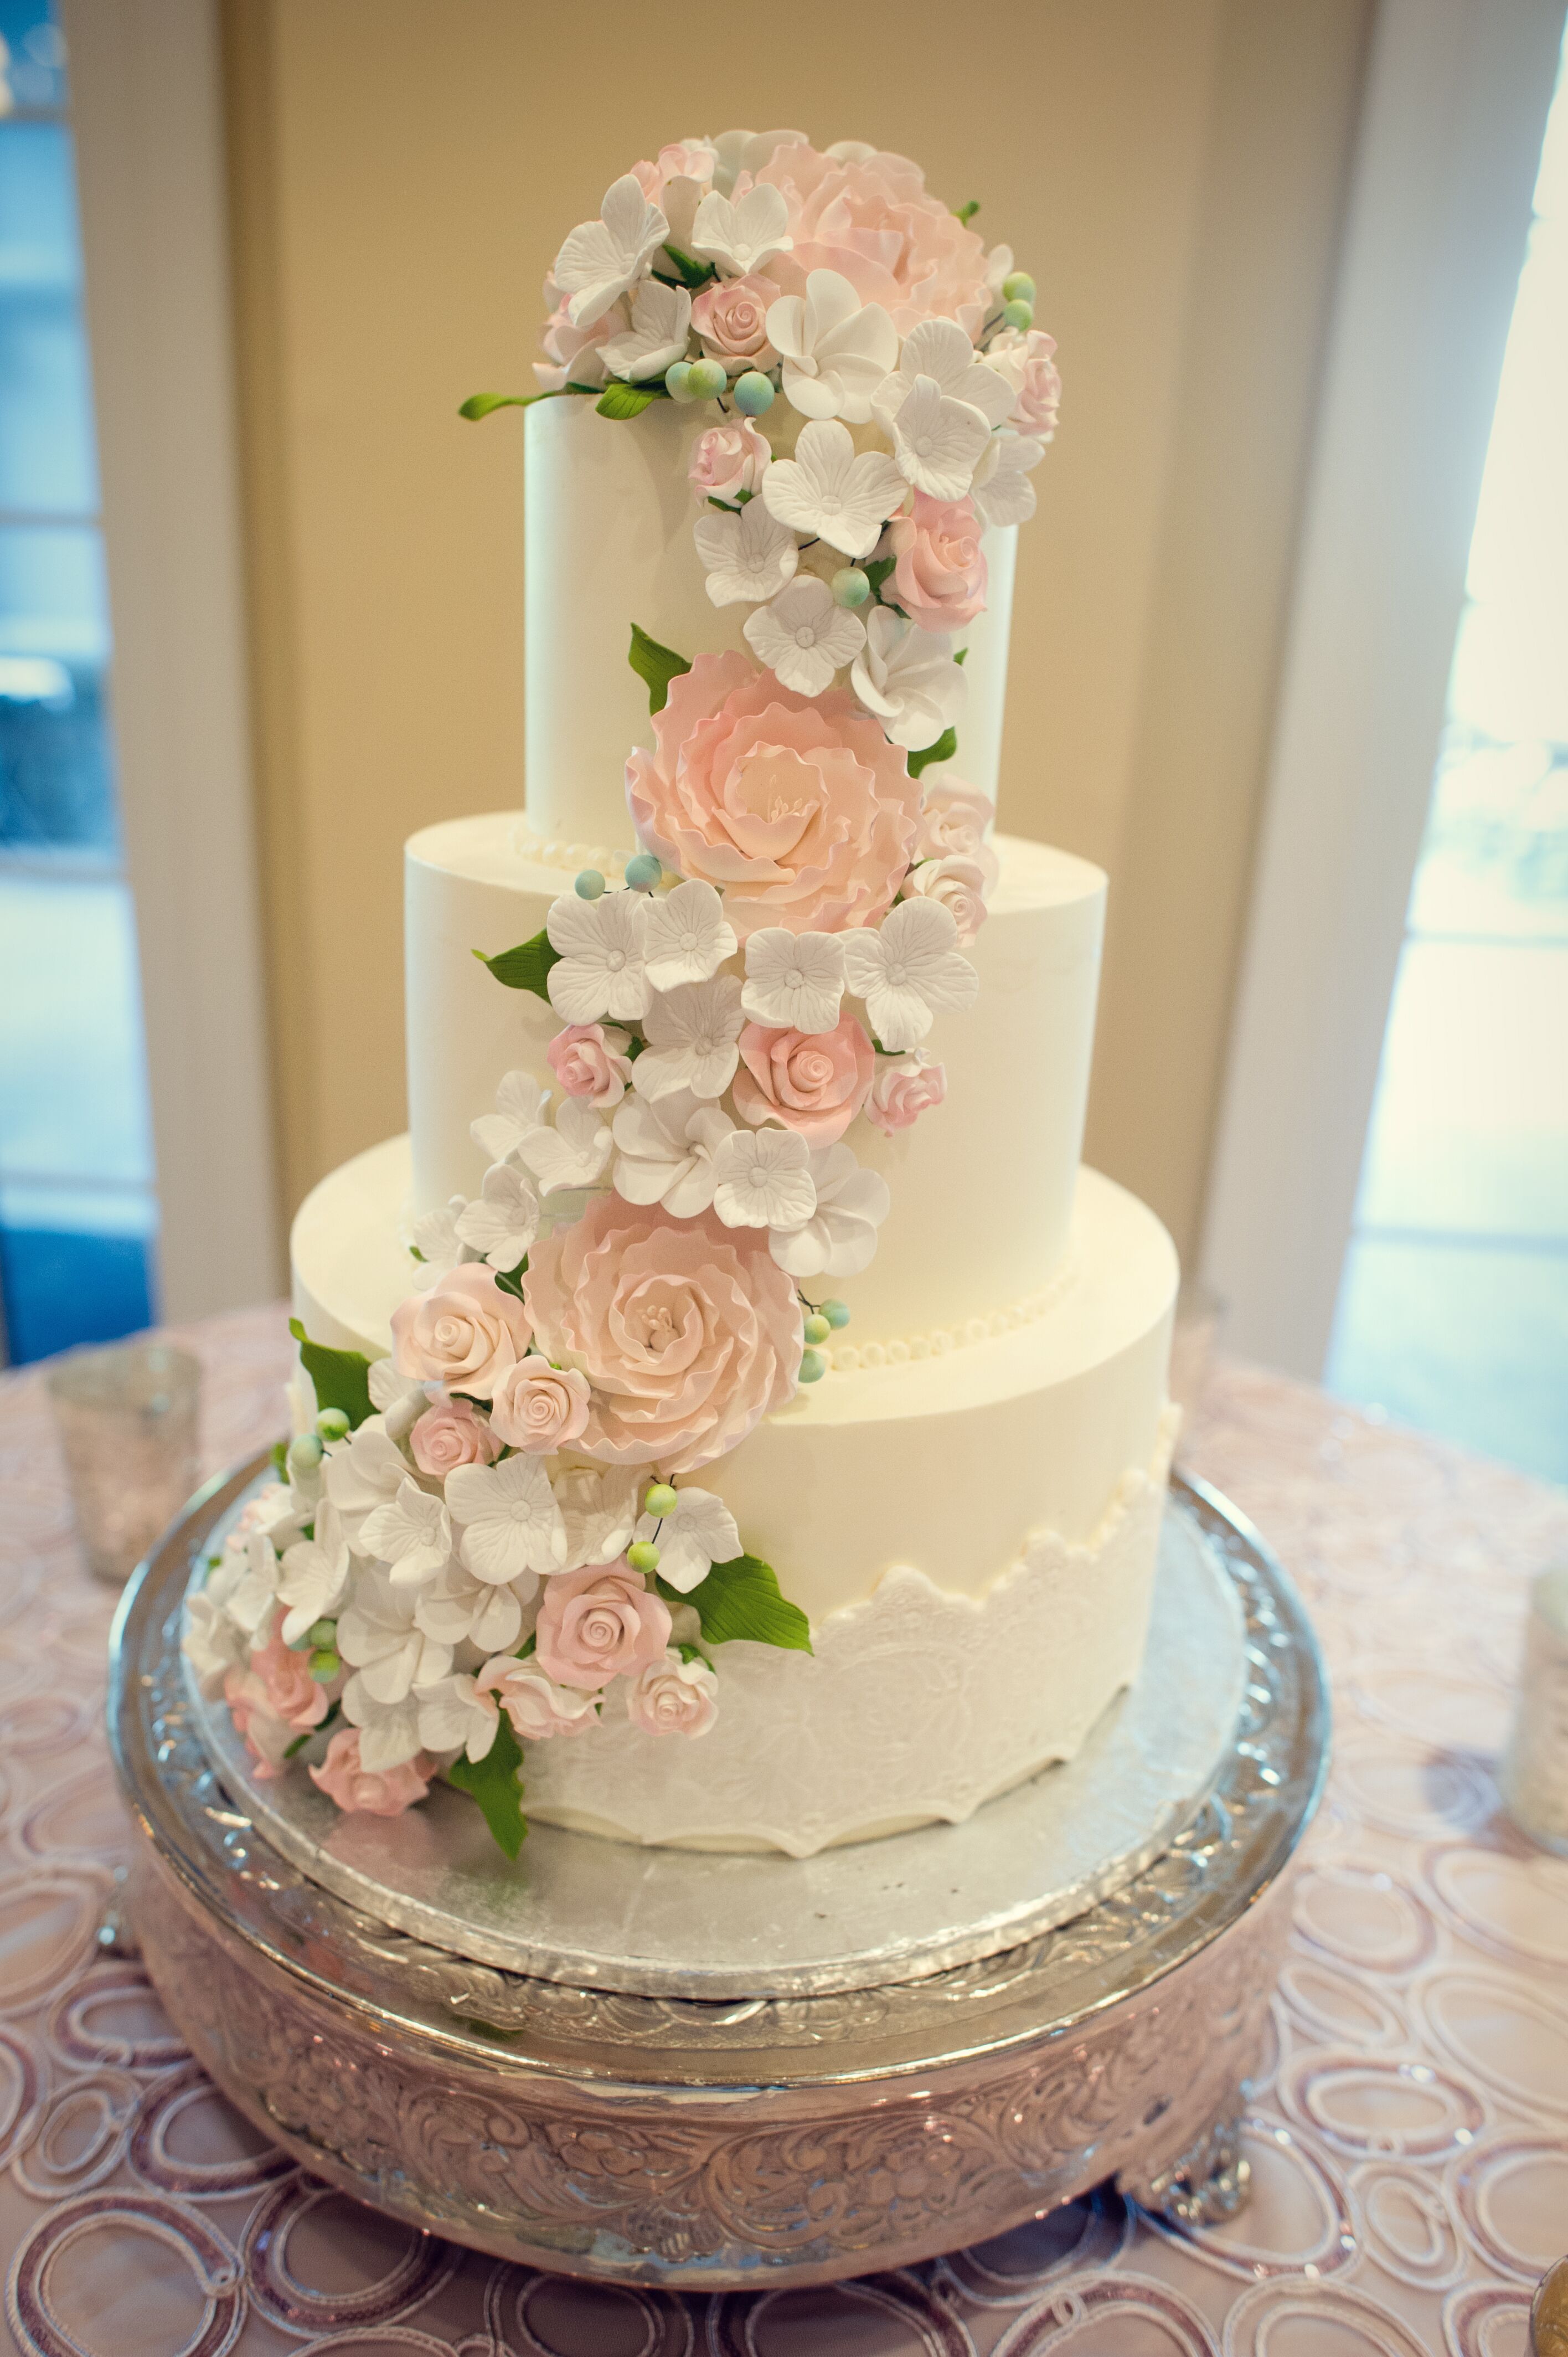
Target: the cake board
(759, 2135)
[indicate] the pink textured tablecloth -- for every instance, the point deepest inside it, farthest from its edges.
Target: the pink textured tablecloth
(1410, 2133)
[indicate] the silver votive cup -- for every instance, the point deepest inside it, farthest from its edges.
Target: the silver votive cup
(127, 1416)
(1534, 1779)
(1199, 1313)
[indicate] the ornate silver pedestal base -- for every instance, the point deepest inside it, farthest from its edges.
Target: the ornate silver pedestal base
(733, 2142)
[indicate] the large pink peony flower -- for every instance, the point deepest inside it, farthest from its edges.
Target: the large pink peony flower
(796, 807)
(939, 576)
(866, 215)
(688, 1331)
(811, 1082)
(361, 1790)
(599, 1623)
(465, 1332)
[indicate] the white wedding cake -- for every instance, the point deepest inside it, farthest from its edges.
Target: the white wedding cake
(732, 1411)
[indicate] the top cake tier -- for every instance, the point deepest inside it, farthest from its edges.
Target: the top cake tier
(609, 515)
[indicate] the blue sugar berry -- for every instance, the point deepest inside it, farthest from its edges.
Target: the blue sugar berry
(836, 1313)
(814, 1366)
(678, 380)
(753, 393)
(707, 380)
(589, 884)
(643, 872)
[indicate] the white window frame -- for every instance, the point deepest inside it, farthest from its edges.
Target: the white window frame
(1453, 120)
(148, 110)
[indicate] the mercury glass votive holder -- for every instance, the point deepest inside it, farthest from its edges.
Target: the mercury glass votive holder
(1534, 1780)
(127, 1421)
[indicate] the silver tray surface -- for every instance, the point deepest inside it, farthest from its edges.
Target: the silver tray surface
(698, 1924)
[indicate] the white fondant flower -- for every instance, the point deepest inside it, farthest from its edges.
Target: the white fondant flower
(748, 557)
(604, 259)
(572, 1154)
(692, 1035)
(363, 1474)
(828, 490)
(909, 678)
(939, 442)
(840, 1237)
(377, 1637)
(762, 1179)
(599, 967)
(400, 1401)
(661, 330)
(906, 969)
(457, 1608)
(1002, 490)
(254, 1593)
(389, 1732)
(212, 1643)
(802, 637)
(508, 1519)
(666, 1149)
(503, 1219)
(940, 350)
(835, 350)
(437, 1242)
(315, 1575)
(411, 1533)
(454, 1715)
(741, 237)
(700, 1532)
(688, 936)
(598, 1510)
(794, 982)
(520, 1108)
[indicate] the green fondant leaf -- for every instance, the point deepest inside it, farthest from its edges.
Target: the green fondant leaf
(480, 404)
(626, 400)
(966, 212)
(693, 272)
(962, 656)
(877, 572)
(494, 1784)
(943, 749)
(510, 1279)
(741, 1598)
(526, 967)
(656, 666)
(342, 1378)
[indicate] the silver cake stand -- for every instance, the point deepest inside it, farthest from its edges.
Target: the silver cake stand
(672, 2068)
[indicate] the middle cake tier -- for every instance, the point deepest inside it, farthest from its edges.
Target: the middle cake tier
(982, 1189)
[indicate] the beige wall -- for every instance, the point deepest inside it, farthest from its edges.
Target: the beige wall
(1171, 171)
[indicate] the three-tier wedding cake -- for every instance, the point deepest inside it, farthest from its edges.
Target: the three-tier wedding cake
(730, 1417)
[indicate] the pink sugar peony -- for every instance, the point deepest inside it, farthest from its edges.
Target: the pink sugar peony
(905, 1087)
(539, 1407)
(953, 820)
(266, 1736)
(811, 1082)
(674, 1697)
(731, 317)
(359, 1791)
(450, 1435)
(465, 1332)
(688, 1331)
(939, 576)
(728, 460)
(959, 884)
(796, 807)
(598, 1624)
(866, 215)
(293, 1694)
(537, 1707)
(589, 1059)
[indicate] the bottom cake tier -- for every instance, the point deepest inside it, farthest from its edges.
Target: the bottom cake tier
(971, 1522)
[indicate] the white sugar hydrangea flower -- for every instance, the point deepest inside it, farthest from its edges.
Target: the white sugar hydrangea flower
(762, 1179)
(509, 1522)
(379, 1637)
(906, 969)
(457, 1609)
(939, 349)
(598, 1509)
(602, 260)
(254, 1592)
(660, 329)
(503, 1219)
(598, 969)
(521, 1106)
(748, 557)
(700, 1532)
(840, 1237)
(410, 1533)
(939, 442)
(399, 1399)
(575, 1153)
(665, 1149)
(829, 490)
(688, 935)
(835, 350)
(437, 1242)
(691, 1037)
(802, 637)
(454, 1715)
(1002, 490)
(908, 679)
(794, 982)
(741, 237)
(363, 1474)
(213, 1644)
(314, 1576)
(389, 1732)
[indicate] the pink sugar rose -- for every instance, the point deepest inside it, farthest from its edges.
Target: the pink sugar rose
(598, 1624)
(728, 460)
(293, 1694)
(959, 884)
(731, 317)
(589, 1059)
(674, 1697)
(796, 807)
(939, 576)
(866, 215)
(688, 1331)
(450, 1435)
(465, 1332)
(359, 1791)
(811, 1082)
(905, 1087)
(537, 1707)
(266, 1736)
(539, 1407)
(953, 820)
(1029, 368)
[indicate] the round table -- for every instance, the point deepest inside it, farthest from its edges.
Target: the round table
(1409, 2141)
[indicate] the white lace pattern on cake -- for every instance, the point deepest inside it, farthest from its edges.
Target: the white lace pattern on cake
(916, 1704)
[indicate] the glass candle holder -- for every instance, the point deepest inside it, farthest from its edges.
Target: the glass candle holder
(126, 1418)
(1534, 1780)
(1199, 1314)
